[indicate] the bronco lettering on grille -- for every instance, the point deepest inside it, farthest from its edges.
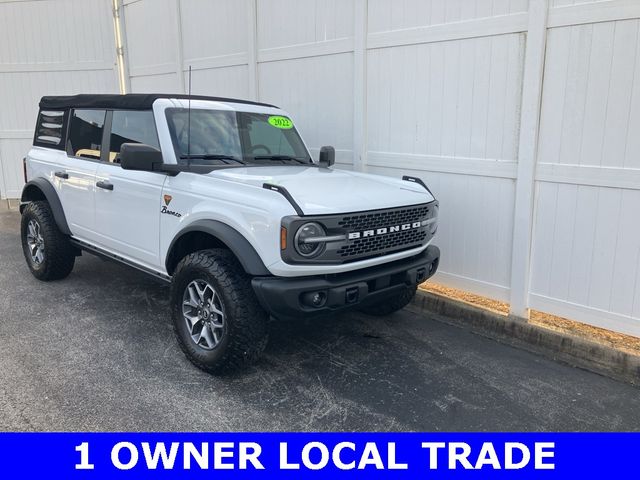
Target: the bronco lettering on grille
(383, 230)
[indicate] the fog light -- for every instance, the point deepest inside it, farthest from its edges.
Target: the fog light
(315, 299)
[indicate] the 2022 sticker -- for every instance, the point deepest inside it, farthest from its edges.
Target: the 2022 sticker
(280, 122)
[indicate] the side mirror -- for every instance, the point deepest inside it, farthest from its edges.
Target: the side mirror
(138, 156)
(327, 156)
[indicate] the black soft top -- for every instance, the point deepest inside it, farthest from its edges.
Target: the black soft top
(130, 101)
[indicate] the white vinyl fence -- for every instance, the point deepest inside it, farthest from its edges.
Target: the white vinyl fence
(522, 116)
(586, 231)
(47, 47)
(539, 181)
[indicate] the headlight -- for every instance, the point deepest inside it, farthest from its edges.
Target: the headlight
(304, 239)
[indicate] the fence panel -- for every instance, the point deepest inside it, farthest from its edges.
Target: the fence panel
(49, 47)
(448, 90)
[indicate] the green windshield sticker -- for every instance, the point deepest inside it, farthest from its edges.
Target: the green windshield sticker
(280, 122)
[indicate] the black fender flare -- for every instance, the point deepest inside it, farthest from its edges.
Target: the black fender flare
(239, 246)
(44, 186)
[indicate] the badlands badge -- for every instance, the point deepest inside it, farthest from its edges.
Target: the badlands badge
(165, 209)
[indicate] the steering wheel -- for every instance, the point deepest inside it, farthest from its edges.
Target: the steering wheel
(259, 146)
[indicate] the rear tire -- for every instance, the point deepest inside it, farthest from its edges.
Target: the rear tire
(391, 304)
(48, 252)
(219, 324)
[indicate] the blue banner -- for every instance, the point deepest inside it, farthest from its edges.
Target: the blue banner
(318, 455)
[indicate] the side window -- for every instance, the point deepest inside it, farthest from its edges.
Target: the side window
(50, 128)
(85, 133)
(131, 126)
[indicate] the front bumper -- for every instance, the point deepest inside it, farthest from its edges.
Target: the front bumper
(285, 297)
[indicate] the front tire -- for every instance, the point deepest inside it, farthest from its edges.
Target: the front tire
(217, 319)
(391, 304)
(48, 252)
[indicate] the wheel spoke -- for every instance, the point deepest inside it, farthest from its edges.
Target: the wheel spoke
(204, 293)
(199, 290)
(192, 301)
(189, 303)
(193, 295)
(205, 335)
(217, 324)
(192, 321)
(212, 305)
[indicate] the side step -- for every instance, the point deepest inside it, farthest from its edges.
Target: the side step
(87, 247)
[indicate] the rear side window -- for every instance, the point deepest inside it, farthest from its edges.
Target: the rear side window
(50, 128)
(131, 126)
(85, 133)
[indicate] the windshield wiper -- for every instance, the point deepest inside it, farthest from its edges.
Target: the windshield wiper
(211, 156)
(281, 158)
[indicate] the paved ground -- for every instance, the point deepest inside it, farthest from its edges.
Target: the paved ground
(96, 352)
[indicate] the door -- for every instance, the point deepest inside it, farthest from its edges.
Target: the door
(127, 202)
(75, 174)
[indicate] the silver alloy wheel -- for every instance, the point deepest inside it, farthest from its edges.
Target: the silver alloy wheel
(203, 313)
(35, 242)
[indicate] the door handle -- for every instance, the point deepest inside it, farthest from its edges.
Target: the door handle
(63, 175)
(104, 185)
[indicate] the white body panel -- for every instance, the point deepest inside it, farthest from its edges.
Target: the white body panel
(76, 193)
(127, 217)
(325, 191)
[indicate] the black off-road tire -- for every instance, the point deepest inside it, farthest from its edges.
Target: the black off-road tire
(59, 254)
(246, 323)
(391, 304)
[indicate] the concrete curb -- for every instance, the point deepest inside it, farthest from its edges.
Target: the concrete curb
(575, 351)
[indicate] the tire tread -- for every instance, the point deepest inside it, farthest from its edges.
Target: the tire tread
(247, 324)
(60, 254)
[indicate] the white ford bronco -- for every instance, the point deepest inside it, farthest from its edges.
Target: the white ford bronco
(222, 199)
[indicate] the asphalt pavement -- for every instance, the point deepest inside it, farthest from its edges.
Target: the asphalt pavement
(96, 352)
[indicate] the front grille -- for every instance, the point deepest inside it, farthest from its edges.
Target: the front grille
(381, 219)
(383, 243)
(363, 235)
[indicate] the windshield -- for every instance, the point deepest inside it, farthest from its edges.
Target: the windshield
(224, 137)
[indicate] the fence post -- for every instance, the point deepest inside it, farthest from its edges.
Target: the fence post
(252, 51)
(360, 85)
(527, 157)
(120, 38)
(180, 49)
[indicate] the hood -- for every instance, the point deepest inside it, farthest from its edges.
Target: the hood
(320, 191)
